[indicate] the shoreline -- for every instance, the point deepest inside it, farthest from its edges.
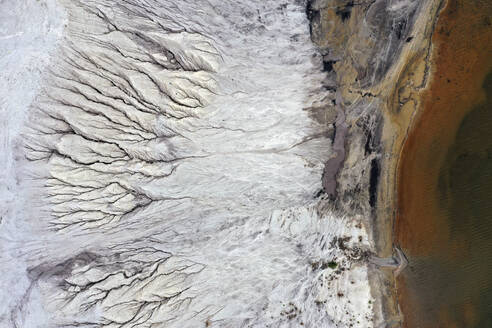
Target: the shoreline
(415, 67)
(377, 80)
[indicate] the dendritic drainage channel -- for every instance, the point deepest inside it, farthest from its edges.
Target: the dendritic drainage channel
(167, 169)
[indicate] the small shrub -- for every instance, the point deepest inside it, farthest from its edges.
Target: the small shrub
(332, 265)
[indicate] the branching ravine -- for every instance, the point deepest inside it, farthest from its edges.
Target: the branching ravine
(174, 155)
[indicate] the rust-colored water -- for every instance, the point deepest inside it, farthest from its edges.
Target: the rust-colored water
(444, 222)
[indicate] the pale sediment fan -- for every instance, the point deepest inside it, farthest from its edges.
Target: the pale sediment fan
(190, 163)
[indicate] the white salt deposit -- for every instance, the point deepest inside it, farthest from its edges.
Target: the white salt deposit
(168, 172)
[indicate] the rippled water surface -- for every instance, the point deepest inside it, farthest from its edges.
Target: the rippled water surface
(445, 180)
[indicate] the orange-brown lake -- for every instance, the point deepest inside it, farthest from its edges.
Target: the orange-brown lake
(444, 220)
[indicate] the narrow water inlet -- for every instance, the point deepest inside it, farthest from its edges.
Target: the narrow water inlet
(398, 262)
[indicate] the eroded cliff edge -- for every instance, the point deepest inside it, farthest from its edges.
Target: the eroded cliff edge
(376, 56)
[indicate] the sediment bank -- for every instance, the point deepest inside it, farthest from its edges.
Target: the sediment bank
(376, 57)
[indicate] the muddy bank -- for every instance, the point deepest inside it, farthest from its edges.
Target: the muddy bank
(376, 61)
(461, 59)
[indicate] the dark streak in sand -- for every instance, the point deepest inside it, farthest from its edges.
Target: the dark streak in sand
(334, 164)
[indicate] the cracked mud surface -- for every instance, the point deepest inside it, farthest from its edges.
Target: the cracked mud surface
(193, 163)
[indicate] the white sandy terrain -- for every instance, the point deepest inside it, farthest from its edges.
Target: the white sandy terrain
(160, 169)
